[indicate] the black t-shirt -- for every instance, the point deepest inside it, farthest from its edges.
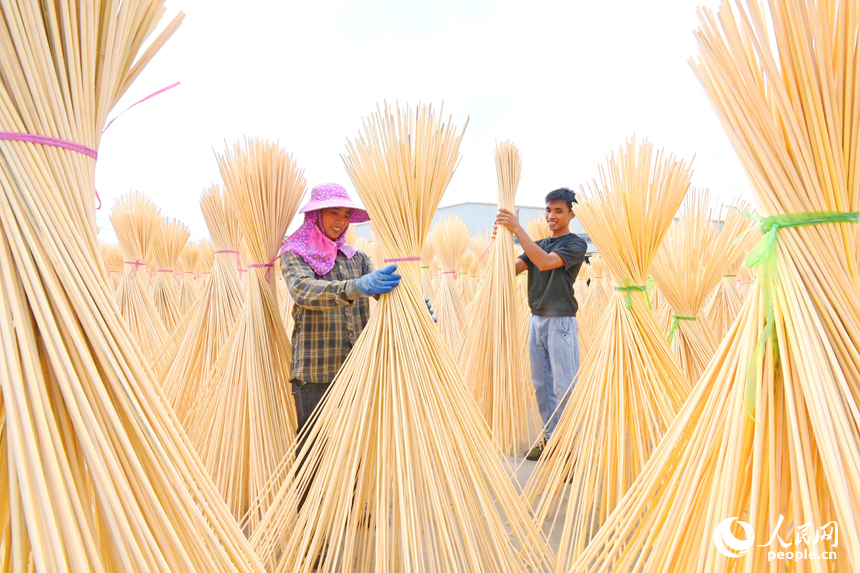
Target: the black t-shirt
(551, 292)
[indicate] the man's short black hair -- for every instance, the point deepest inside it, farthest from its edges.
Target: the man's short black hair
(562, 194)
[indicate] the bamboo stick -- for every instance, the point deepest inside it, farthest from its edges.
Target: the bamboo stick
(406, 474)
(494, 373)
(242, 422)
(762, 438)
(630, 386)
(450, 238)
(100, 475)
(213, 318)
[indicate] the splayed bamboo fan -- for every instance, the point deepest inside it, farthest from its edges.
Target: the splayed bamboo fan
(137, 222)
(725, 305)
(415, 433)
(244, 419)
(537, 228)
(450, 238)
(204, 263)
(97, 474)
(595, 302)
(692, 259)
(490, 368)
(185, 272)
(113, 262)
(166, 248)
(480, 246)
(464, 282)
(762, 438)
(580, 293)
(630, 386)
(216, 311)
(428, 253)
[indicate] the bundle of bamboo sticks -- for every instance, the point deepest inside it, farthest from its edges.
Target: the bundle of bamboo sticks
(489, 366)
(428, 254)
(243, 421)
(770, 435)
(113, 263)
(97, 473)
(725, 304)
(186, 269)
(168, 245)
(450, 238)
(137, 223)
(400, 474)
(537, 228)
(630, 386)
(691, 261)
(215, 314)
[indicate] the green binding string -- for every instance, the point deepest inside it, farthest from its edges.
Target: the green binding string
(730, 276)
(675, 319)
(627, 289)
(423, 267)
(649, 288)
(764, 255)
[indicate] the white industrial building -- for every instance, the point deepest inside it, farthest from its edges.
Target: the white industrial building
(479, 217)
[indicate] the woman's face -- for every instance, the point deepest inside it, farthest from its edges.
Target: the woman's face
(334, 221)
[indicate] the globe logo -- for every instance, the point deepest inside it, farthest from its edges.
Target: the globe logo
(728, 544)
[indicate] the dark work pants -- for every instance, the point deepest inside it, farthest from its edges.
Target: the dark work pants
(307, 397)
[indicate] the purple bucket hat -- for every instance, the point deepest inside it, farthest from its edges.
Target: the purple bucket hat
(332, 195)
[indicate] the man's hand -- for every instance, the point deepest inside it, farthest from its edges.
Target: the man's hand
(509, 220)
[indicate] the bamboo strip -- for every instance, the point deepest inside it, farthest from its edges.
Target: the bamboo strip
(494, 373)
(100, 475)
(778, 444)
(242, 422)
(400, 474)
(630, 386)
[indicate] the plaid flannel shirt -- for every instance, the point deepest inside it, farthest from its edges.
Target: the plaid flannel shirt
(329, 314)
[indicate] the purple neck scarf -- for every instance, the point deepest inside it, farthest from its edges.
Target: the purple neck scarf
(301, 244)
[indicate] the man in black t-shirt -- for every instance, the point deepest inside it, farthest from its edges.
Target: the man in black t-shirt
(552, 264)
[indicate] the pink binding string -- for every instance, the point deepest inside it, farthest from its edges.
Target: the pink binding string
(137, 264)
(152, 95)
(403, 259)
(238, 261)
(71, 145)
(487, 250)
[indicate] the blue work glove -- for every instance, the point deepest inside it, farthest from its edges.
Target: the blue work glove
(378, 282)
(430, 308)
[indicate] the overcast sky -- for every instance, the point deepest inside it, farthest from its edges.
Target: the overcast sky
(566, 81)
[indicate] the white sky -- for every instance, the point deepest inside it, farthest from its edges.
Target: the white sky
(566, 81)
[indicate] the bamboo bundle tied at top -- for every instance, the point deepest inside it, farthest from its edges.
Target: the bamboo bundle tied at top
(137, 223)
(168, 245)
(490, 359)
(580, 292)
(450, 238)
(428, 253)
(205, 260)
(414, 433)
(97, 475)
(113, 262)
(725, 304)
(242, 422)
(629, 386)
(691, 261)
(216, 311)
(185, 273)
(537, 228)
(769, 436)
(464, 282)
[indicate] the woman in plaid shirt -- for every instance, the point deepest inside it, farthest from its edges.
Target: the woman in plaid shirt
(330, 282)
